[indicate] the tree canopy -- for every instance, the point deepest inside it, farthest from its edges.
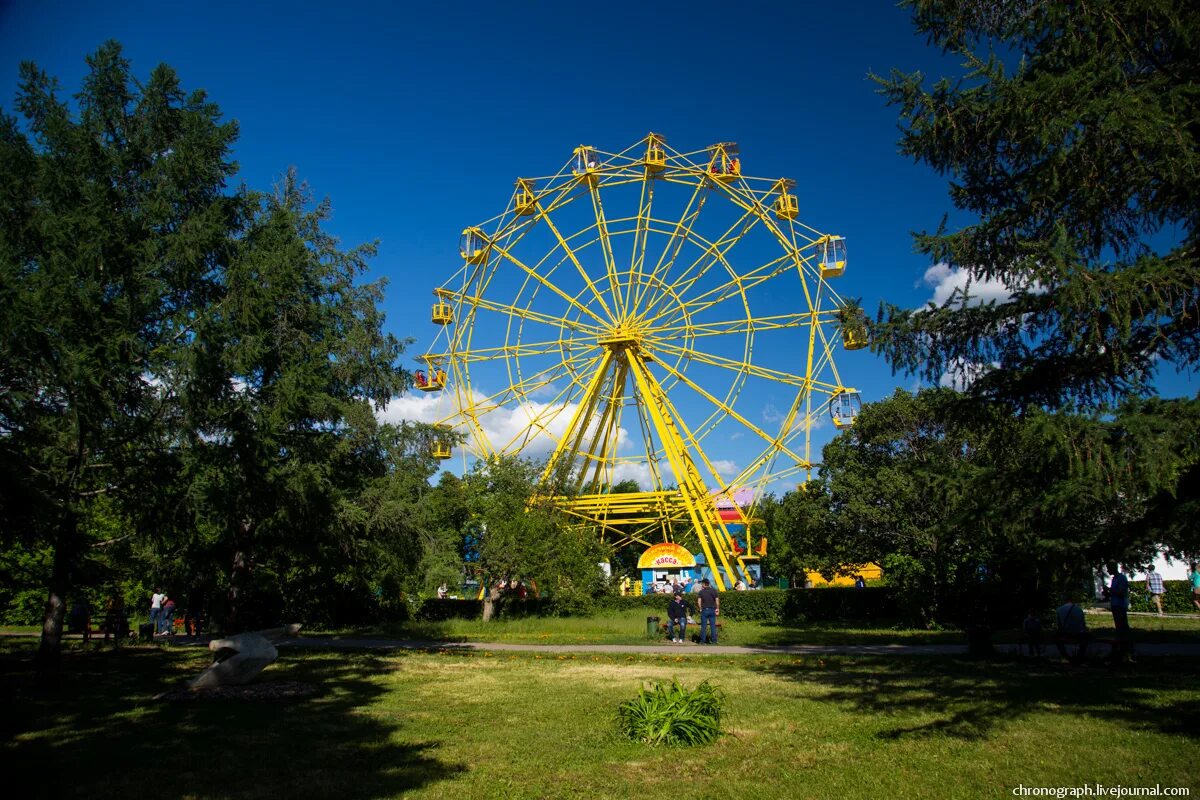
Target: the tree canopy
(1072, 142)
(158, 329)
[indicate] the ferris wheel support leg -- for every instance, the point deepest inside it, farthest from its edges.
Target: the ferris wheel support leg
(695, 496)
(573, 436)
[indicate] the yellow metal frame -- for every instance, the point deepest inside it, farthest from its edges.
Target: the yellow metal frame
(603, 332)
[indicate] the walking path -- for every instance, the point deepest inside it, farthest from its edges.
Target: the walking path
(689, 648)
(1186, 649)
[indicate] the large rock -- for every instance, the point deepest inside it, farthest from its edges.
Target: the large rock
(239, 659)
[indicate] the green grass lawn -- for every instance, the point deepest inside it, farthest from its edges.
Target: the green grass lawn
(629, 627)
(539, 725)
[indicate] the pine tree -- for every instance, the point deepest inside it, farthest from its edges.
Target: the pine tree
(113, 221)
(1072, 140)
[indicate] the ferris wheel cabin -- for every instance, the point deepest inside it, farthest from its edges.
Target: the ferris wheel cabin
(656, 157)
(442, 314)
(472, 246)
(586, 164)
(432, 379)
(525, 201)
(832, 253)
(440, 446)
(787, 206)
(726, 164)
(854, 335)
(844, 407)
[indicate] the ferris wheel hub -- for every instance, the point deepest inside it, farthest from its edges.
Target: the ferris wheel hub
(621, 337)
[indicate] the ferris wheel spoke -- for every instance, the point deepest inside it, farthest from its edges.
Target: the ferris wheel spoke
(610, 262)
(641, 233)
(532, 273)
(678, 237)
(533, 316)
(741, 367)
(728, 410)
(715, 254)
(578, 266)
(738, 285)
(788, 430)
(538, 380)
(519, 350)
(743, 326)
(540, 422)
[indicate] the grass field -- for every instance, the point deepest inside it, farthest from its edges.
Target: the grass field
(629, 627)
(538, 725)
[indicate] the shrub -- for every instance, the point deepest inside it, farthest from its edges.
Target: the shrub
(672, 715)
(834, 604)
(435, 610)
(1177, 597)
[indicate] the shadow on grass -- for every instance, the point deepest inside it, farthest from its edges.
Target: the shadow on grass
(848, 633)
(104, 735)
(972, 699)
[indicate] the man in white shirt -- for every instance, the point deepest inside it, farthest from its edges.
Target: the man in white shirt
(156, 601)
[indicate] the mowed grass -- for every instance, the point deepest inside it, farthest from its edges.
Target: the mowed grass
(629, 627)
(455, 725)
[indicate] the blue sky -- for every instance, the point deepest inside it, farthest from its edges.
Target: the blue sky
(414, 119)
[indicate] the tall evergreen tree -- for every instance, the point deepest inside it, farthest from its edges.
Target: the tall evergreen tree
(284, 377)
(113, 222)
(1072, 140)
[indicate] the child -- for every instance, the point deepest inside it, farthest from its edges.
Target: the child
(1032, 626)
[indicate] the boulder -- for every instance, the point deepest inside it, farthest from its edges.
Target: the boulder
(239, 659)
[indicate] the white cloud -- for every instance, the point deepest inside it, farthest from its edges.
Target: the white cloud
(946, 280)
(509, 423)
(961, 374)
(640, 471)
(725, 468)
(771, 414)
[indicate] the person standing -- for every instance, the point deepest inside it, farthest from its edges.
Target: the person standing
(156, 601)
(710, 609)
(1154, 585)
(168, 617)
(1118, 599)
(1194, 578)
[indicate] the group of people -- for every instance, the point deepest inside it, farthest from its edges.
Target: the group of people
(688, 585)
(1071, 625)
(162, 613)
(679, 614)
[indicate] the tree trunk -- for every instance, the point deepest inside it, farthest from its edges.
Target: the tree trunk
(239, 573)
(489, 603)
(49, 655)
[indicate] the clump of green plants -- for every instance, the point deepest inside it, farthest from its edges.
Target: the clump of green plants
(672, 715)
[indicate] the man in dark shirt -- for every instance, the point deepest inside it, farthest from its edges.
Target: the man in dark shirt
(710, 607)
(677, 614)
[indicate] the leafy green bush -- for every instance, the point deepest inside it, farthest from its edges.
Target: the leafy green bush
(435, 610)
(785, 605)
(672, 715)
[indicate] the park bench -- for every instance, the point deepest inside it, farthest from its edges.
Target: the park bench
(1025, 644)
(663, 628)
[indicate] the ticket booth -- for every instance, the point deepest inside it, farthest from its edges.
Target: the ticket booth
(664, 562)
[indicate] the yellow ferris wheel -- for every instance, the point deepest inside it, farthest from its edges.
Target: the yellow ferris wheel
(648, 315)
